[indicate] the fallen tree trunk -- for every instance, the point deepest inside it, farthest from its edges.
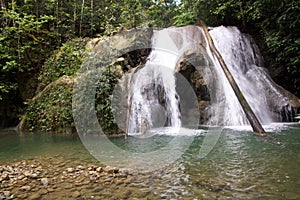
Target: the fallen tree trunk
(254, 122)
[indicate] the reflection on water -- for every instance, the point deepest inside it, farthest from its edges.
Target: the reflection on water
(241, 166)
(17, 146)
(244, 166)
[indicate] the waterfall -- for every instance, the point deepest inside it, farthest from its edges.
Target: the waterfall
(243, 60)
(269, 101)
(154, 101)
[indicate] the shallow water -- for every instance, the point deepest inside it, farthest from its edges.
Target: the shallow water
(240, 166)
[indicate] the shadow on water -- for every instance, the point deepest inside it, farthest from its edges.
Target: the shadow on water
(15, 146)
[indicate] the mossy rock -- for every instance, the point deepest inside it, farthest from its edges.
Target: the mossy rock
(64, 61)
(51, 109)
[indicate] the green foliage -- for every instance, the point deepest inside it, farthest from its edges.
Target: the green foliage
(64, 61)
(104, 94)
(21, 40)
(30, 30)
(161, 14)
(185, 16)
(282, 38)
(52, 110)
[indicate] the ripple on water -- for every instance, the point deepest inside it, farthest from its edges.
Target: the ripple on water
(240, 166)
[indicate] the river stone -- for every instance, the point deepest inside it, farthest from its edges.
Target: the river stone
(27, 173)
(99, 169)
(70, 170)
(22, 196)
(86, 182)
(34, 175)
(111, 170)
(39, 168)
(50, 190)
(6, 194)
(35, 196)
(26, 188)
(5, 177)
(45, 181)
(76, 194)
(68, 186)
(43, 191)
(79, 167)
(21, 177)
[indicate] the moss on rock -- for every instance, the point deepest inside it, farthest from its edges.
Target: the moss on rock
(64, 61)
(51, 109)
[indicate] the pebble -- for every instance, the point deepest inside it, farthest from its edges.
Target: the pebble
(35, 196)
(34, 175)
(39, 168)
(99, 169)
(43, 191)
(26, 187)
(68, 186)
(23, 196)
(32, 180)
(6, 193)
(111, 170)
(50, 190)
(76, 194)
(21, 177)
(27, 173)
(45, 181)
(85, 182)
(5, 177)
(70, 170)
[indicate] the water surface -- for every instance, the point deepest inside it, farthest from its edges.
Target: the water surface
(241, 165)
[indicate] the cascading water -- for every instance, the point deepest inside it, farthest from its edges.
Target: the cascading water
(241, 56)
(243, 59)
(154, 101)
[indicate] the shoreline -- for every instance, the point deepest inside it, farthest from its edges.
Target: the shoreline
(52, 178)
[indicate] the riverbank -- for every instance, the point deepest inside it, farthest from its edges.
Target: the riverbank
(58, 178)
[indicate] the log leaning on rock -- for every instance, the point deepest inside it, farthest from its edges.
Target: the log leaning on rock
(254, 122)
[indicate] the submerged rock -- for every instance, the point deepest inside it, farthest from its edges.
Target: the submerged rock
(111, 170)
(35, 196)
(45, 182)
(76, 194)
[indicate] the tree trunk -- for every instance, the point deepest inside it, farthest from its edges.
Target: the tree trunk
(74, 16)
(255, 124)
(81, 17)
(92, 17)
(243, 16)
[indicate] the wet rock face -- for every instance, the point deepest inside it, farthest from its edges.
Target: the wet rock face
(193, 67)
(285, 105)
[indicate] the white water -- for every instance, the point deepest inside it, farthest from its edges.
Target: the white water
(244, 62)
(155, 102)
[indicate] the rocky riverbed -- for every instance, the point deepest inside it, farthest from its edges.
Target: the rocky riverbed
(53, 178)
